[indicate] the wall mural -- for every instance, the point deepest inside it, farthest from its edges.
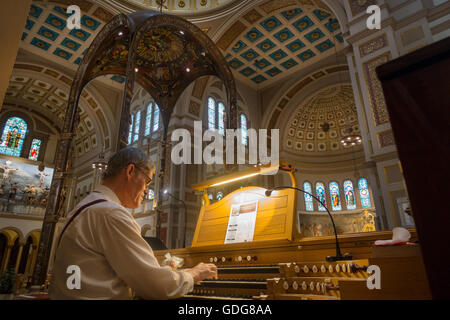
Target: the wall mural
(23, 187)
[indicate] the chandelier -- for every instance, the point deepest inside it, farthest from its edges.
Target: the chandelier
(350, 138)
(101, 164)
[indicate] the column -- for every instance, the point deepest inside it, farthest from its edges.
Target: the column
(13, 17)
(403, 29)
(19, 256)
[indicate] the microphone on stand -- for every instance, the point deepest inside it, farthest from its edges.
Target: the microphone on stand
(339, 256)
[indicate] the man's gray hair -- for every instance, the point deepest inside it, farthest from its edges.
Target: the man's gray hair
(124, 157)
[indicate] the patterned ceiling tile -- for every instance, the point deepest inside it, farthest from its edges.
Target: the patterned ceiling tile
(290, 14)
(315, 35)
(118, 78)
(249, 55)
(41, 44)
(273, 72)
(24, 36)
(239, 46)
(266, 45)
(248, 71)
(289, 64)
(77, 61)
(261, 64)
(284, 35)
(324, 46)
(259, 79)
(89, 22)
(62, 53)
(303, 23)
(70, 44)
(80, 34)
(253, 35)
(278, 55)
(29, 25)
(252, 16)
(321, 15)
(35, 11)
(332, 25)
(339, 37)
(295, 45)
(47, 33)
(62, 11)
(235, 63)
(226, 57)
(308, 54)
(55, 21)
(271, 23)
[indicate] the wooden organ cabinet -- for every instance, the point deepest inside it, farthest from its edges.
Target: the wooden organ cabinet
(278, 263)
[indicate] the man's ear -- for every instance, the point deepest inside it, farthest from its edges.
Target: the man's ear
(129, 170)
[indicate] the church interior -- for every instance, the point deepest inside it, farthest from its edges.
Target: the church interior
(308, 69)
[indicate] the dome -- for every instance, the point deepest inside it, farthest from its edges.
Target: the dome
(318, 124)
(180, 6)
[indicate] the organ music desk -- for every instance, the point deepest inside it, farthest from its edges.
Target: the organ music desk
(278, 263)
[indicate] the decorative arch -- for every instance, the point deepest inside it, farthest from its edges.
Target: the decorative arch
(134, 46)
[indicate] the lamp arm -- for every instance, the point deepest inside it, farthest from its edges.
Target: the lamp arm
(338, 249)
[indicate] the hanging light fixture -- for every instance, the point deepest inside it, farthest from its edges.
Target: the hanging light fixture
(101, 164)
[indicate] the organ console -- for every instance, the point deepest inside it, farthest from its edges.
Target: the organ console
(276, 262)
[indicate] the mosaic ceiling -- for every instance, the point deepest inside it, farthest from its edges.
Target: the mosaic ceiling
(319, 124)
(180, 6)
(269, 46)
(51, 100)
(46, 33)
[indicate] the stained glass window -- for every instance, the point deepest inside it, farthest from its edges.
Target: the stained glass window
(148, 119)
(244, 129)
(349, 194)
(335, 196)
(219, 195)
(216, 116)
(364, 193)
(221, 120)
(151, 194)
(137, 126)
(156, 119)
(34, 151)
(211, 114)
(13, 136)
(321, 194)
(309, 204)
(130, 134)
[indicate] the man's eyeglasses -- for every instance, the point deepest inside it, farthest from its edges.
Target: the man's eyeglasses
(148, 180)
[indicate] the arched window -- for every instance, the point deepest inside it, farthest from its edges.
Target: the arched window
(130, 133)
(321, 194)
(151, 118)
(244, 138)
(151, 194)
(219, 195)
(216, 116)
(35, 148)
(309, 204)
(137, 126)
(335, 196)
(13, 136)
(349, 194)
(364, 193)
(156, 119)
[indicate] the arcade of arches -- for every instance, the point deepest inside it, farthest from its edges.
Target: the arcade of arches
(305, 67)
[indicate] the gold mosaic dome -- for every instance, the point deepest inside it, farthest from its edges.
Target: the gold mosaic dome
(318, 124)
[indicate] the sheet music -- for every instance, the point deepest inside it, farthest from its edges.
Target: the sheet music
(241, 224)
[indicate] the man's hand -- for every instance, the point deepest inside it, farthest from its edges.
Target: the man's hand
(203, 271)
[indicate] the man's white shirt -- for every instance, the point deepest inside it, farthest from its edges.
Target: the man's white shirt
(105, 242)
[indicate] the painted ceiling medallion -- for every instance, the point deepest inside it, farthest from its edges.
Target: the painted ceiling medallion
(160, 46)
